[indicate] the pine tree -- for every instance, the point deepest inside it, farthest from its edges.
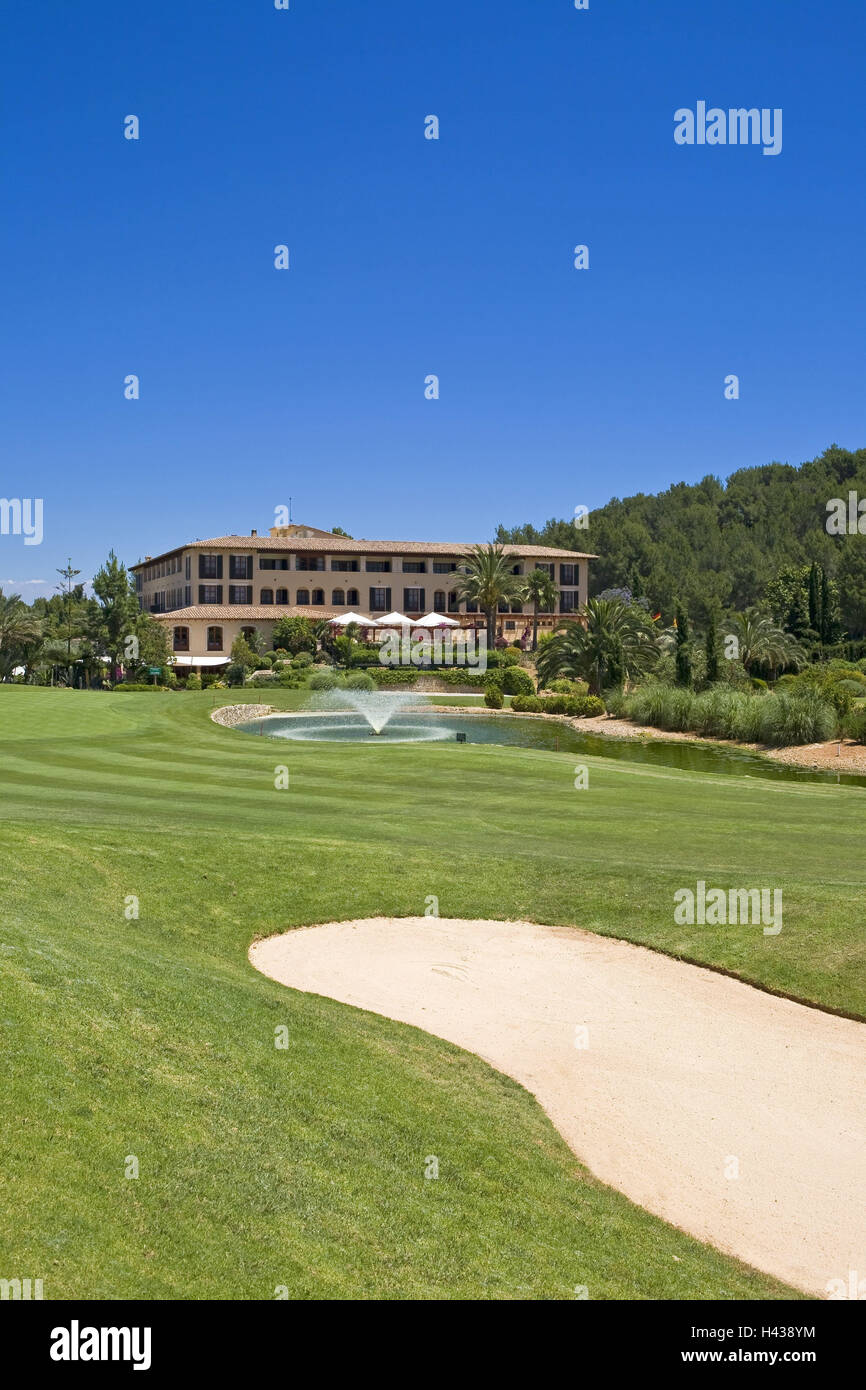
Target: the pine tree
(684, 650)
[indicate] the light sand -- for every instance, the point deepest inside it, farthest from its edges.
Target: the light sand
(688, 1076)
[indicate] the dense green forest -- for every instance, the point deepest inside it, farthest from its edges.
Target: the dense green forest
(726, 543)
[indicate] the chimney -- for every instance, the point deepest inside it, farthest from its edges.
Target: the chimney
(254, 533)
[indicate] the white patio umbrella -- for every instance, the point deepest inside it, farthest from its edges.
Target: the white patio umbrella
(346, 618)
(393, 620)
(435, 620)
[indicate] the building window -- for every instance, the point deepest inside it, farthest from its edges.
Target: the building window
(413, 600)
(309, 562)
(180, 642)
(282, 596)
(267, 596)
(380, 600)
(439, 601)
(345, 566)
(248, 634)
(471, 607)
(510, 627)
(240, 593)
(414, 566)
(210, 567)
(540, 565)
(338, 598)
(517, 607)
(378, 566)
(187, 567)
(453, 603)
(444, 566)
(303, 597)
(517, 569)
(187, 595)
(566, 575)
(270, 563)
(210, 593)
(502, 606)
(353, 598)
(240, 567)
(318, 598)
(567, 601)
(214, 639)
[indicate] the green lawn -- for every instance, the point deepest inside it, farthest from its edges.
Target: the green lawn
(262, 1167)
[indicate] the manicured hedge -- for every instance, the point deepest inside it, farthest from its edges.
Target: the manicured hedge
(575, 706)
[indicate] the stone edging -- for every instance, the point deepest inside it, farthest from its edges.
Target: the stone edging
(229, 715)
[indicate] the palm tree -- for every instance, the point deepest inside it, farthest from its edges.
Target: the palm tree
(18, 626)
(486, 577)
(762, 643)
(609, 637)
(539, 589)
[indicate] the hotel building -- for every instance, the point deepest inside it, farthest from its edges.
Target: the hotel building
(208, 592)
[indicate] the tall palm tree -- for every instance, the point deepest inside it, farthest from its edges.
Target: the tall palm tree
(610, 637)
(762, 643)
(485, 577)
(539, 589)
(18, 626)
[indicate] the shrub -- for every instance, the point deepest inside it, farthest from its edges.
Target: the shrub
(359, 680)
(757, 684)
(617, 703)
(516, 681)
(855, 725)
(494, 679)
(527, 704)
(493, 697)
(852, 688)
(561, 687)
(194, 682)
(393, 675)
(139, 685)
(586, 706)
(302, 659)
(510, 656)
(323, 680)
(800, 718)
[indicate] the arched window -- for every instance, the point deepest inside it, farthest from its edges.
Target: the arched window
(282, 595)
(439, 601)
(181, 639)
(303, 597)
(267, 596)
(338, 598)
(318, 598)
(353, 599)
(214, 639)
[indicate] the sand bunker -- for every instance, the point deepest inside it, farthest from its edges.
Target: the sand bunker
(736, 1116)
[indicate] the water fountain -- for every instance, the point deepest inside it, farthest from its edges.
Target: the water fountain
(377, 707)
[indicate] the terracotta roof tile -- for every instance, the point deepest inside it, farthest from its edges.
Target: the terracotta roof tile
(340, 546)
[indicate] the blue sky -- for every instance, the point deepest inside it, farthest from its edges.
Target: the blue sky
(409, 257)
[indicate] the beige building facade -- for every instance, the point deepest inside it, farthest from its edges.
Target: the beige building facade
(209, 592)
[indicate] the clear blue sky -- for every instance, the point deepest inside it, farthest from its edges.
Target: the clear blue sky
(411, 257)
